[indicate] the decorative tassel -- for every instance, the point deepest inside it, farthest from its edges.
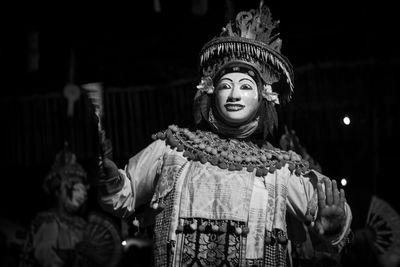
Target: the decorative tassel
(269, 239)
(215, 227)
(281, 238)
(202, 227)
(193, 225)
(179, 229)
(245, 231)
(223, 227)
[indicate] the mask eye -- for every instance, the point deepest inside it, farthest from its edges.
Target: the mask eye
(246, 87)
(223, 86)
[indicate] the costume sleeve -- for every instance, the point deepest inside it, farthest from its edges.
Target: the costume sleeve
(44, 242)
(137, 181)
(302, 195)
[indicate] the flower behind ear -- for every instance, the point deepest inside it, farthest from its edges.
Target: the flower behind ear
(206, 85)
(269, 95)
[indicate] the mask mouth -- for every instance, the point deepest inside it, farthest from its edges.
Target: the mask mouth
(234, 107)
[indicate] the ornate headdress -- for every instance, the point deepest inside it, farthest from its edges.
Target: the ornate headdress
(248, 41)
(65, 167)
(251, 40)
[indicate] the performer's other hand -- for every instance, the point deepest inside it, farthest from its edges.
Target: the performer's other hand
(331, 213)
(109, 170)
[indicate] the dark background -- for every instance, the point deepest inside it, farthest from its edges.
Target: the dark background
(346, 62)
(131, 45)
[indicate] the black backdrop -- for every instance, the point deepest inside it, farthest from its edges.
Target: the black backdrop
(363, 152)
(346, 61)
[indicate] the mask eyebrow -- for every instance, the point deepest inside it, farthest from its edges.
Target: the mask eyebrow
(230, 80)
(246, 79)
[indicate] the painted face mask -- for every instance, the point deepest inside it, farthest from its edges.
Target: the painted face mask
(73, 197)
(237, 97)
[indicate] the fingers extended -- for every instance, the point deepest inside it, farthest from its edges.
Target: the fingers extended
(335, 191)
(328, 191)
(342, 198)
(321, 196)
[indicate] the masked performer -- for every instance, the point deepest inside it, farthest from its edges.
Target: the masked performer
(55, 233)
(219, 193)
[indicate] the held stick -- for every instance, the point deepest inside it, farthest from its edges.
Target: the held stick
(95, 94)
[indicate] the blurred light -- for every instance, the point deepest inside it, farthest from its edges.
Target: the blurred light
(123, 243)
(343, 181)
(346, 120)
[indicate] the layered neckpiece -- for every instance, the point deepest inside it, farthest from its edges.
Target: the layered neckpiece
(230, 153)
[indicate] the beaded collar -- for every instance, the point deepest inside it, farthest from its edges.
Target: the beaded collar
(231, 154)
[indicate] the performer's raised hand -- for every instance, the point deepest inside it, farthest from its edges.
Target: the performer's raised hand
(331, 202)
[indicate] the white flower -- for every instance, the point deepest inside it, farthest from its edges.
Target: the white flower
(206, 85)
(268, 94)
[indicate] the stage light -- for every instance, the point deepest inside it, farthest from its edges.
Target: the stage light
(346, 120)
(123, 243)
(343, 182)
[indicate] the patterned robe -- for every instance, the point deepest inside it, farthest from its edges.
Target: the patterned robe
(210, 214)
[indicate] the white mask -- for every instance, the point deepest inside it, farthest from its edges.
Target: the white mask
(237, 97)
